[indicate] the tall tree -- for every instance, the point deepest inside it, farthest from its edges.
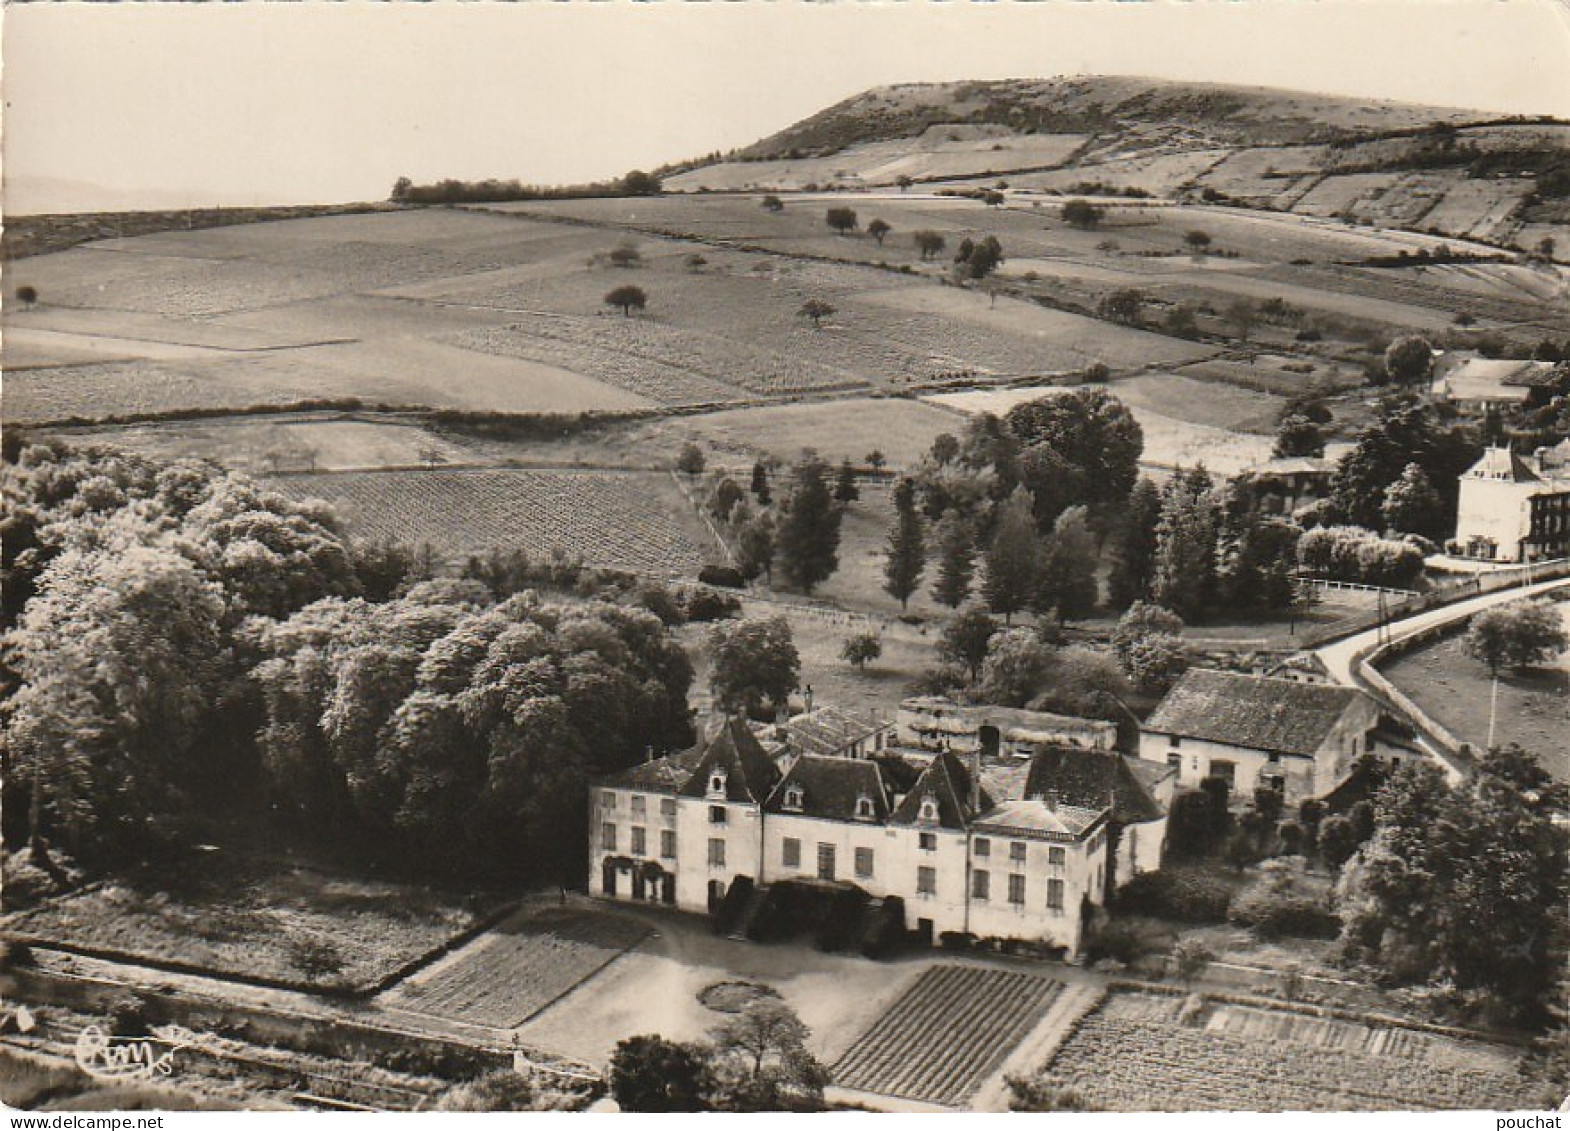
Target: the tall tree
(1412, 506)
(808, 537)
(1068, 568)
(1297, 435)
(956, 560)
(907, 550)
(760, 1061)
(1134, 555)
(1013, 559)
(1094, 432)
(650, 1073)
(1184, 577)
(965, 640)
(121, 660)
(1406, 431)
(845, 489)
(1465, 883)
(755, 665)
(760, 484)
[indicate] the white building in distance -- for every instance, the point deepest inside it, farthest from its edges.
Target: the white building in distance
(1514, 509)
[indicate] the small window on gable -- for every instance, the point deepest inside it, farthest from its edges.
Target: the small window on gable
(929, 807)
(794, 795)
(864, 808)
(717, 783)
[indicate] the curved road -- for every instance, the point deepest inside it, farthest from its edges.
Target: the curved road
(1340, 656)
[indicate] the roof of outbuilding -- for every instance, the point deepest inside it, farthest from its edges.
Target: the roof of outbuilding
(750, 774)
(1255, 712)
(827, 730)
(830, 788)
(1092, 779)
(947, 779)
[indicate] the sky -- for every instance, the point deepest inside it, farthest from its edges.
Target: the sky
(177, 104)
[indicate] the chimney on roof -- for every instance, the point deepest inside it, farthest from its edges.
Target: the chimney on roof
(975, 779)
(1051, 800)
(806, 699)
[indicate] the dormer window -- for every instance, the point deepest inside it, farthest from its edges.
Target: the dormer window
(794, 795)
(929, 807)
(864, 810)
(717, 780)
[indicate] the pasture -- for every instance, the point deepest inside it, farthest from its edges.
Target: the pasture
(517, 968)
(1134, 1053)
(1532, 708)
(634, 521)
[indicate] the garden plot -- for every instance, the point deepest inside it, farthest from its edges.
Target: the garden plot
(1133, 1054)
(946, 1034)
(290, 925)
(620, 520)
(515, 970)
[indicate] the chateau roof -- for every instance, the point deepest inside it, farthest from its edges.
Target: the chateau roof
(947, 779)
(750, 774)
(1502, 463)
(1092, 779)
(1255, 712)
(662, 775)
(830, 788)
(1038, 819)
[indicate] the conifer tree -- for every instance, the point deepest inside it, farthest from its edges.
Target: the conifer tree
(808, 538)
(907, 552)
(956, 560)
(1013, 559)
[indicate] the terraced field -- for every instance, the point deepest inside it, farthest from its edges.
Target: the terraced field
(1132, 1054)
(946, 1034)
(514, 971)
(620, 520)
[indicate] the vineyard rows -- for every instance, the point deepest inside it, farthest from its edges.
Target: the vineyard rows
(508, 975)
(605, 519)
(1127, 1056)
(946, 1033)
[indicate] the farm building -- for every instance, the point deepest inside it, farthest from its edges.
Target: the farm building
(685, 830)
(1296, 481)
(1284, 734)
(933, 723)
(1513, 508)
(1477, 384)
(829, 731)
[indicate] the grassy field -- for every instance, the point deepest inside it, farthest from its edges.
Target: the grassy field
(903, 430)
(1135, 1054)
(1533, 707)
(636, 521)
(293, 925)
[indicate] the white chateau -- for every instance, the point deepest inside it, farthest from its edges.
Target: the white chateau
(683, 829)
(1514, 508)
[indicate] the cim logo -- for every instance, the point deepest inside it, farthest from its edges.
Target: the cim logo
(109, 1057)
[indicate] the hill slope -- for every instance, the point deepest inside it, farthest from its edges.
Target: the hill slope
(1198, 114)
(1441, 170)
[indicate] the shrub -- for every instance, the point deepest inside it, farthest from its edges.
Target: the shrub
(128, 1016)
(701, 604)
(1275, 914)
(1190, 896)
(1119, 941)
(728, 576)
(1190, 958)
(885, 930)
